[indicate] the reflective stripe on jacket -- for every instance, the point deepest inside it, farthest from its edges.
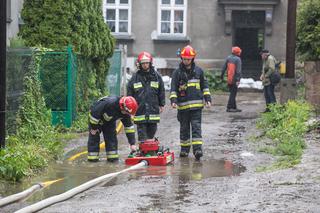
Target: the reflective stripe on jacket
(189, 88)
(148, 89)
(106, 110)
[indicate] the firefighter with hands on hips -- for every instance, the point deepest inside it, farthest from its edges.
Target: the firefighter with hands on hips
(188, 90)
(102, 118)
(232, 66)
(147, 87)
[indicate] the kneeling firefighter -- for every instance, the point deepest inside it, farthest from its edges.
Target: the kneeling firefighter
(189, 91)
(147, 87)
(102, 118)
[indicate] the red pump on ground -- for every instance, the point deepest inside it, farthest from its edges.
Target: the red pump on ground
(152, 152)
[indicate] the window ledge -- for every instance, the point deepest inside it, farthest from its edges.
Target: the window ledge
(125, 37)
(9, 20)
(173, 38)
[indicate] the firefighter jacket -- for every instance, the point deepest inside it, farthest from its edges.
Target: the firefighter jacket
(148, 89)
(107, 109)
(233, 67)
(268, 67)
(189, 88)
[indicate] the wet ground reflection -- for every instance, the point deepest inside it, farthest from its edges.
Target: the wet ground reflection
(74, 174)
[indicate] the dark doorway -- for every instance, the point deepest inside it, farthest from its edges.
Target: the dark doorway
(248, 34)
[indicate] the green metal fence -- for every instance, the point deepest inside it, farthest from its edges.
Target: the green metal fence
(57, 72)
(58, 78)
(113, 80)
(18, 61)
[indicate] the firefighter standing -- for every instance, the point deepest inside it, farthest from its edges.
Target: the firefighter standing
(188, 89)
(233, 67)
(102, 118)
(147, 87)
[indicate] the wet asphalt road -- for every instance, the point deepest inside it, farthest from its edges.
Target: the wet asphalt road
(223, 181)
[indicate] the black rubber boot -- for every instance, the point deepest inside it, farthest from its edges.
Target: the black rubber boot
(198, 154)
(93, 160)
(112, 160)
(184, 152)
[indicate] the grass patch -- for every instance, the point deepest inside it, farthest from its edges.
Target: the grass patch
(286, 126)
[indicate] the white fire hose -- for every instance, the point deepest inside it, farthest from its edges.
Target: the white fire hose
(16, 197)
(26, 193)
(72, 192)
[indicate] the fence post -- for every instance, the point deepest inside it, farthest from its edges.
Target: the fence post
(69, 88)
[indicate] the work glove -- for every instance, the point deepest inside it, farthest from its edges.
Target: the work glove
(133, 148)
(94, 131)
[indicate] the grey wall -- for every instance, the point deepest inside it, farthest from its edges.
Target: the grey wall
(14, 14)
(205, 28)
(277, 42)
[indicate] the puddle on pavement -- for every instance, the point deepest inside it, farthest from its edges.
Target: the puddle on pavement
(75, 174)
(188, 169)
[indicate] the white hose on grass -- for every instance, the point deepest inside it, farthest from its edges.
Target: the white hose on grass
(72, 192)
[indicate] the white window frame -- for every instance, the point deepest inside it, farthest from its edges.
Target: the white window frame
(172, 7)
(117, 6)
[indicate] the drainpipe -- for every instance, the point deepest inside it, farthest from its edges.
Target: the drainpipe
(72, 192)
(3, 49)
(288, 89)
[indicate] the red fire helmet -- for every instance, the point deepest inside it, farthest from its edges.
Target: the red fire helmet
(128, 104)
(188, 52)
(145, 57)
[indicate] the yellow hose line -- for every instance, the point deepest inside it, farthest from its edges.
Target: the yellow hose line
(102, 145)
(48, 183)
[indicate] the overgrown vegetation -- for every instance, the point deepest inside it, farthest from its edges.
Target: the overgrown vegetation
(308, 29)
(286, 126)
(36, 142)
(215, 82)
(57, 24)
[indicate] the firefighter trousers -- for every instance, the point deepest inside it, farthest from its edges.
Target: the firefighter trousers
(190, 119)
(110, 137)
(146, 131)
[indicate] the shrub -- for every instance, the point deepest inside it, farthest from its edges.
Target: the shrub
(286, 126)
(308, 29)
(215, 82)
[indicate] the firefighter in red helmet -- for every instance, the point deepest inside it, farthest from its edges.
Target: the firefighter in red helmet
(189, 93)
(232, 67)
(102, 118)
(147, 87)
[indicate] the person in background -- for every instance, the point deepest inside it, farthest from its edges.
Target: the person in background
(268, 67)
(232, 66)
